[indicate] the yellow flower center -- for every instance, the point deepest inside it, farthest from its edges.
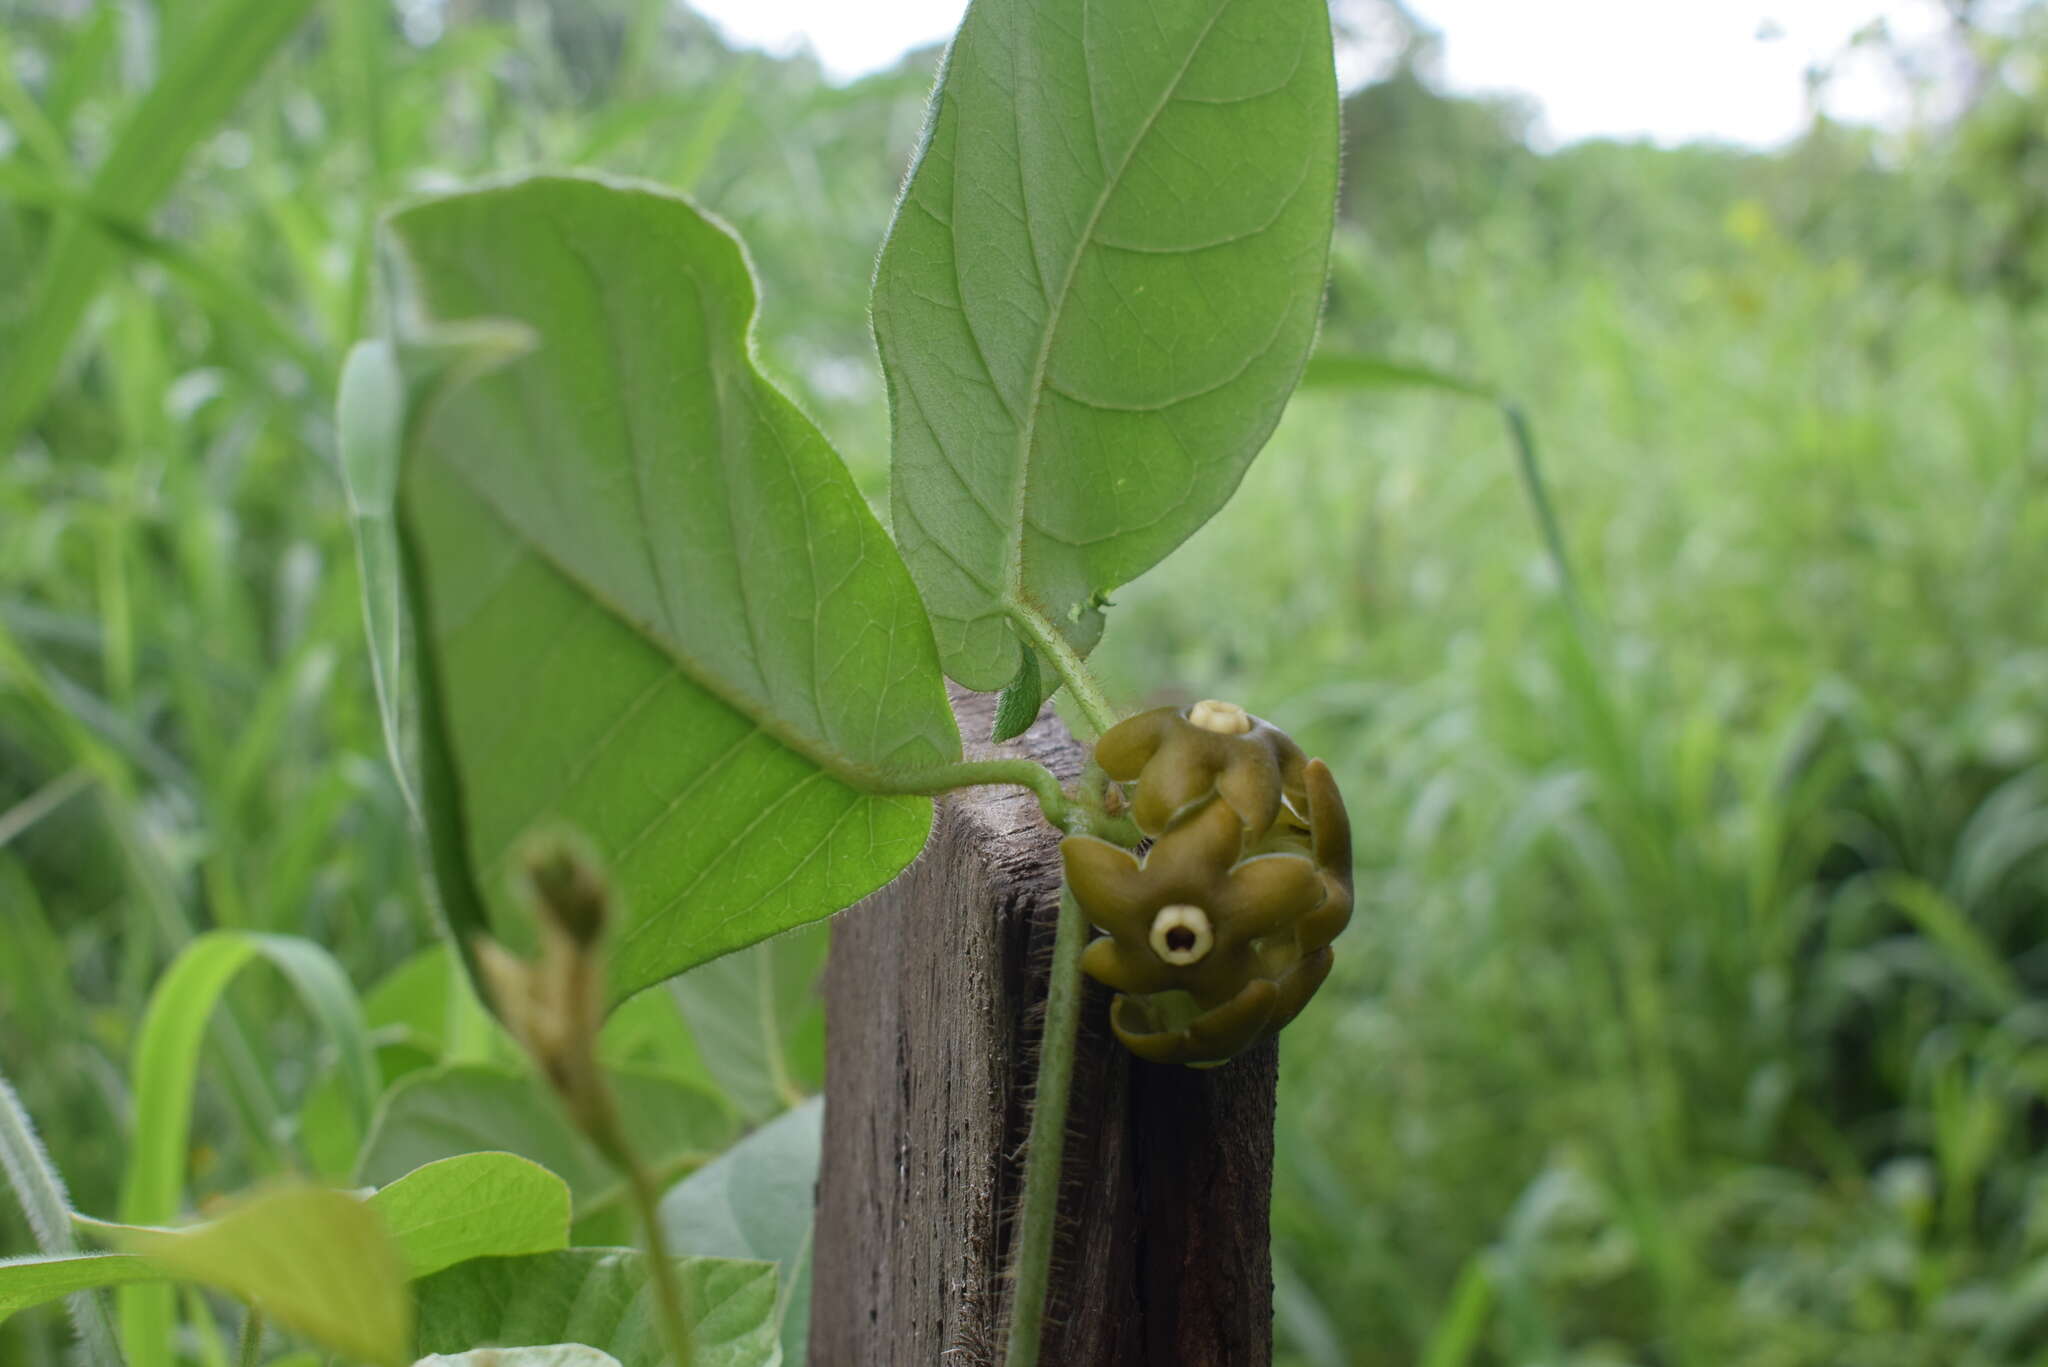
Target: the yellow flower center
(1181, 934)
(1223, 718)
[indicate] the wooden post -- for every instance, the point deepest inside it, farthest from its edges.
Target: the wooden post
(933, 993)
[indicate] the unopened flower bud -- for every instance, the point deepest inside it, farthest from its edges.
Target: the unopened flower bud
(563, 884)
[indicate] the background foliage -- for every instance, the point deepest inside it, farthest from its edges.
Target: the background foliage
(1696, 1013)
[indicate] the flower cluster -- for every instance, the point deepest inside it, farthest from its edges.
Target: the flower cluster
(1220, 933)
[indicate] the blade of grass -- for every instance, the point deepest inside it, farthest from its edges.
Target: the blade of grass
(216, 290)
(1455, 1340)
(1357, 370)
(1976, 961)
(165, 1071)
(38, 133)
(206, 79)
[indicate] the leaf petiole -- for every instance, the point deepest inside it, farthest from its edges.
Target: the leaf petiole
(1021, 773)
(1067, 663)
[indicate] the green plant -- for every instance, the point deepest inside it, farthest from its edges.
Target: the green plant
(615, 582)
(645, 599)
(1780, 875)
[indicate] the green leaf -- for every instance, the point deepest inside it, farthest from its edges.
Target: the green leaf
(31, 1281)
(549, 1355)
(165, 1069)
(1018, 707)
(475, 1205)
(1099, 290)
(756, 1201)
(204, 81)
(758, 1020)
(651, 603)
(599, 1297)
(314, 1260)
(441, 1112)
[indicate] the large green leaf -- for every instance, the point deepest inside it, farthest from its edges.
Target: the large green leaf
(756, 1201)
(649, 601)
(474, 1205)
(1100, 288)
(599, 1297)
(441, 1112)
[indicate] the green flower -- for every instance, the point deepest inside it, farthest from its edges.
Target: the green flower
(1181, 755)
(1211, 952)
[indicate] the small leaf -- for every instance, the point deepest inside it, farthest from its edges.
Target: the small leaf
(474, 1205)
(1018, 706)
(599, 1297)
(549, 1355)
(442, 1112)
(313, 1260)
(1100, 288)
(31, 1281)
(756, 1201)
(649, 602)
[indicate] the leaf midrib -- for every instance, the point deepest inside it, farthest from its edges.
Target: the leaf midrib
(1013, 573)
(854, 775)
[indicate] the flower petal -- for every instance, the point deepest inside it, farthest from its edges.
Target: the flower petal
(1108, 883)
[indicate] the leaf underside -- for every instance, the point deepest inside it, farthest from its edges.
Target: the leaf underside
(1099, 290)
(648, 600)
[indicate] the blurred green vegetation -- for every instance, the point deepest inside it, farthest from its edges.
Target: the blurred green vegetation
(1698, 1010)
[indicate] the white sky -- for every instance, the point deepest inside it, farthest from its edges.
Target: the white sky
(1667, 69)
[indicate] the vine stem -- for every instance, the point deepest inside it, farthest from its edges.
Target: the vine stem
(1024, 773)
(1045, 1146)
(661, 1268)
(1046, 1143)
(1067, 663)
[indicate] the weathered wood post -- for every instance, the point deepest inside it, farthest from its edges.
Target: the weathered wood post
(933, 993)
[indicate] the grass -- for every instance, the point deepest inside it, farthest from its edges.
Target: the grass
(1694, 1013)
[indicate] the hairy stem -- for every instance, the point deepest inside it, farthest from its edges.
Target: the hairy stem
(1045, 1144)
(1024, 773)
(1067, 663)
(661, 1268)
(1045, 1147)
(251, 1351)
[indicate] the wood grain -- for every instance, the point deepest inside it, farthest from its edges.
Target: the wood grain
(933, 993)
